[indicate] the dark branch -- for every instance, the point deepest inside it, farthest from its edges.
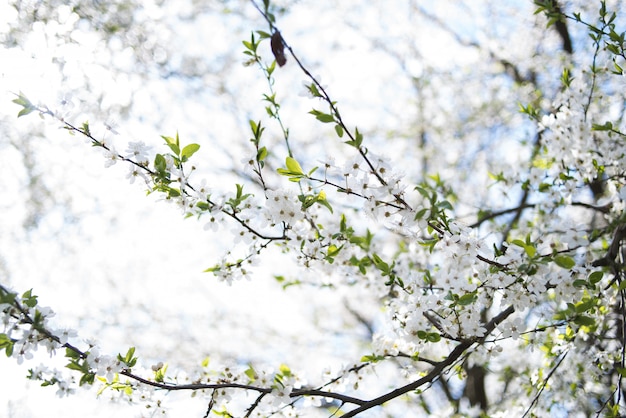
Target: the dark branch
(612, 253)
(561, 28)
(436, 370)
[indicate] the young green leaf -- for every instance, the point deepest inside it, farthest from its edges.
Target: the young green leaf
(189, 150)
(27, 106)
(564, 261)
(293, 165)
(172, 143)
(293, 170)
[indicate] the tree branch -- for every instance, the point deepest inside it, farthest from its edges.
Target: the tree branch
(544, 384)
(436, 370)
(561, 28)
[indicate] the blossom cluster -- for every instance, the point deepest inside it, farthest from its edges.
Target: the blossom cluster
(25, 327)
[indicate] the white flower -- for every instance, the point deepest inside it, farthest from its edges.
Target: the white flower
(65, 334)
(138, 152)
(249, 166)
(39, 372)
(103, 365)
(65, 104)
(91, 342)
(470, 324)
(111, 126)
(351, 168)
(280, 394)
(64, 388)
(372, 208)
(512, 328)
(283, 206)
(24, 353)
(135, 172)
(111, 156)
(386, 346)
(212, 225)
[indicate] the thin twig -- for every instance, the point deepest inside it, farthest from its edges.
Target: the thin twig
(544, 384)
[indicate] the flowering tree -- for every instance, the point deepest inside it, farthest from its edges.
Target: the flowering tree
(483, 255)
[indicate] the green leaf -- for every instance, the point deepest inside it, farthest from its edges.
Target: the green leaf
(325, 118)
(467, 299)
(584, 305)
(333, 250)
(257, 128)
(606, 127)
(87, 379)
(285, 370)
(581, 283)
(213, 269)
(544, 187)
(358, 138)
(159, 374)
(189, 150)
(566, 78)
(160, 165)
(173, 143)
(128, 359)
(27, 106)
(252, 375)
(307, 201)
(584, 320)
(293, 166)
(357, 141)
(263, 34)
(528, 246)
(75, 365)
(25, 111)
(372, 358)
(6, 343)
(254, 126)
(29, 299)
(618, 70)
(322, 117)
(444, 205)
(69, 353)
(7, 297)
(529, 110)
(234, 203)
(380, 264)
(564, 261)
(293, 170)
(314, 90)
(85, 128)
(423, 191)
(261, 154)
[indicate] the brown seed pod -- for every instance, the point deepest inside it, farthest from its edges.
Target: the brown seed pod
(278, 48)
